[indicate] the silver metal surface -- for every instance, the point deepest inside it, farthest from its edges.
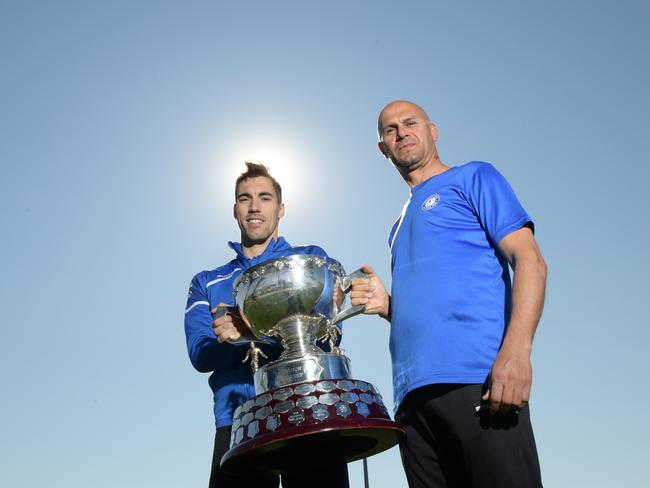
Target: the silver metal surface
(273, 296)
(263, 412)
(296, 417)
(305, 389)
(239, 435)
(300, 286)
(283, 407)
(367, 398)
(253, 428)
(326, 386)
(362, 385)
(262, 400)
(343, 409)
(273, 422)
(349, 397)
(294, 300)
(362, 409)
(306, 402)
(345, 385)
(237, 412)
(320, 412)
(328, 399)
(282, 394)
(308, 368)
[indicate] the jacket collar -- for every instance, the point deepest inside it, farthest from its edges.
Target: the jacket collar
(275, 246)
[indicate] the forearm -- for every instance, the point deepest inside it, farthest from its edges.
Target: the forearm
(386, 313)
(205, 351)
(207, 354)
(529, 285)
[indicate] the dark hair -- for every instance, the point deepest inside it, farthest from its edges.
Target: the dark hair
(255, 170)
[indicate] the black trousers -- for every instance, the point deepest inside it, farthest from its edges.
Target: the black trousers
(334, 476)
(448, 445)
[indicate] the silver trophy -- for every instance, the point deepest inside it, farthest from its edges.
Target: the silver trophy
(308, 410)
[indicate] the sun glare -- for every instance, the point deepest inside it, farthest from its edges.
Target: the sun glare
(284, 164)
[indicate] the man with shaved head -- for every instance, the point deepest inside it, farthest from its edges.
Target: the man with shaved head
(461, 330)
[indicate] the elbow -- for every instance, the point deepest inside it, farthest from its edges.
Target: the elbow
(533, 263)
(200, 356)
(199, 364)
(542, 268)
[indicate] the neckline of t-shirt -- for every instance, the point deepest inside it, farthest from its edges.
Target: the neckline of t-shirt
(415, 189)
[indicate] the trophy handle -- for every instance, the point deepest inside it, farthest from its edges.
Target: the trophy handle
(346, 281)
(224, 310)
(346, 284)
(244, 339)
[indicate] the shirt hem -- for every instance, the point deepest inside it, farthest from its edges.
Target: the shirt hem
(223, 423)
(437, 380)
(518, 224)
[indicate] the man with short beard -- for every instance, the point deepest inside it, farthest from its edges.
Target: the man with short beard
(258, 209)
(461, 333)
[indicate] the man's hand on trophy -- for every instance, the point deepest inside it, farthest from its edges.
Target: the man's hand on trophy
(371, 293)
(339, 296)
(229, 326)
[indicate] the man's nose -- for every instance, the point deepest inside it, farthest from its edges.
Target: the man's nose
(401, 131)
(254, 206)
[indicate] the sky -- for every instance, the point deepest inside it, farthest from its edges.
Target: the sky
(124, 124)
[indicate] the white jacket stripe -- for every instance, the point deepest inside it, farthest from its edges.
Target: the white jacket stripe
(221, 278)
(196, 304)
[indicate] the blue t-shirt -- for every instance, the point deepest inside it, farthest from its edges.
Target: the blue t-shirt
(231, 380)
(451, 286)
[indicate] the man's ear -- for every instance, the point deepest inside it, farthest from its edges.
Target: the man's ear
(382, 149)
(434, 131)
(234, 210)
(281, 213)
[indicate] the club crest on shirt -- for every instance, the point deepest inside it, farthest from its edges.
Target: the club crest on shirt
(431, 202)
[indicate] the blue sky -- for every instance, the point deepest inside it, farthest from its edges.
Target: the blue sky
(124, 124)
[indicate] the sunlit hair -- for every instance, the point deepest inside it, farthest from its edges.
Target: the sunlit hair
(255, 170)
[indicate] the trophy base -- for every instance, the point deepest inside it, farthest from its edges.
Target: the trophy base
(308, 425)
(310, 367)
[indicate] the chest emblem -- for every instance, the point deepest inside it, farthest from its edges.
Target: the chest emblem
(431, 202)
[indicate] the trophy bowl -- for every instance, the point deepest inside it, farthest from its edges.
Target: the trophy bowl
(289, 288)
(308, 410)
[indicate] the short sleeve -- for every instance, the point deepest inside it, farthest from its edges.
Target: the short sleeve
(495, 202)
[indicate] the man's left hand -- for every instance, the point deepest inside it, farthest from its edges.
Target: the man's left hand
(509, 382)
(228, 327)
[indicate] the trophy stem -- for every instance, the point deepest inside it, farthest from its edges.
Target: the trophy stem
(298, 335)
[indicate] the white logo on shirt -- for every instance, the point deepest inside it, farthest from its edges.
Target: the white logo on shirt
(431, 202)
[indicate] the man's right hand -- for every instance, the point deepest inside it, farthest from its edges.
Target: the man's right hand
(371, 293)
(228, 327)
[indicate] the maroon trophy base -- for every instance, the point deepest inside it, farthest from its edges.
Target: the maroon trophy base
(309, 425)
